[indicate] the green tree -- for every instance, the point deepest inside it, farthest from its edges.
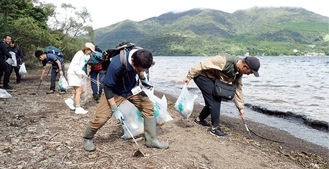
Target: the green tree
(34, 25)
(12, 10)
(71, 24)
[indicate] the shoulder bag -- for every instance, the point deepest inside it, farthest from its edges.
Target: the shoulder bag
(224, 90)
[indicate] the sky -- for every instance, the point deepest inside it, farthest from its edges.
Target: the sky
(107, 12)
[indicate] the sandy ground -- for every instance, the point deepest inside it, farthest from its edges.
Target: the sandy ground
(39, 131)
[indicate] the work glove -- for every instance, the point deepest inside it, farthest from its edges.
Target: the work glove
(117, 113)
(146, 84)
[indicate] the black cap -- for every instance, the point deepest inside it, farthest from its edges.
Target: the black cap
(253, 64)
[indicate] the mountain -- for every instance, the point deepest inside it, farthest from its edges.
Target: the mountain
(206, 32)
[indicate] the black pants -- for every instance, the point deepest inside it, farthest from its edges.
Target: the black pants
(6, 76)
(212, 105)
(54, 73)
(16, 69)
(3, 67)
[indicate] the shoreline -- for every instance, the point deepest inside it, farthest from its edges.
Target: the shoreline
(315, 124)
(40, 131)
(288, 145)
(296, 126)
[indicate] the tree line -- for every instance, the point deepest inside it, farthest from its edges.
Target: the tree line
(35, 25)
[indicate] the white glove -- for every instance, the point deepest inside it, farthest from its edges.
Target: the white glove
(117, 113)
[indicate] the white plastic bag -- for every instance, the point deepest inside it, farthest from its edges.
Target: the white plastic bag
(84, 91)
(160, 107)
(10, 61)
(13, 57)
(62, 83)
(4, 94)
(133, 119)
(22, 69)
(185, 102)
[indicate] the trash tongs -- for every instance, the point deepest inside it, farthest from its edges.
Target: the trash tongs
(137, 153)
(247, 128)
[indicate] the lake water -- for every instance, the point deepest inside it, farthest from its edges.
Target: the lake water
(296, 88)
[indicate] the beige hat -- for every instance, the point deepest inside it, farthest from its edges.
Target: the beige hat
(90, 46)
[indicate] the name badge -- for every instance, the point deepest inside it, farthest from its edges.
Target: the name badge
(136, 90)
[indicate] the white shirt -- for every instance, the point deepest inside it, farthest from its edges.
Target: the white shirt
(78, 62)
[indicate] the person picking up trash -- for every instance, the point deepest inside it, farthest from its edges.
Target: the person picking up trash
(220, 77)
(120, 84)
(57, 67)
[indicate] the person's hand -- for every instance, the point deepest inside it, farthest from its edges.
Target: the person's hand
(117, 113)
(61, 72)
(186, 80)
(146, 84)
(84, 76)
(241, 113)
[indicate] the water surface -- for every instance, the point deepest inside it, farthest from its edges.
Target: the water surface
(295, 88)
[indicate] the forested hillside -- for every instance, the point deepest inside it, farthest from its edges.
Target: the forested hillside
(34, 25)
(205, 32)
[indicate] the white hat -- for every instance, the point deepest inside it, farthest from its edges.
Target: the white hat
(90, 46)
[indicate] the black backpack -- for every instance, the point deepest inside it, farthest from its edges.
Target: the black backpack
(109, 53)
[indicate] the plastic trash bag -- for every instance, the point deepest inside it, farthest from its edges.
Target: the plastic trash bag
(185, 102)
(133, 119)
(160, 107)
(4, 94)
(22, 69)
(84, 91)
(10, 61)
(13, 57)
(62, 83)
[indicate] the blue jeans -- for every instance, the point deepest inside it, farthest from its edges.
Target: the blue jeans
(212, 105)
(95, 75)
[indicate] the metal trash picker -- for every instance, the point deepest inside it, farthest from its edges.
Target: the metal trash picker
(250, 131)
(247, 128)
(137, 153)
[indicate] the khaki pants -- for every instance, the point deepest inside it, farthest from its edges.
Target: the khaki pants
(104, 112)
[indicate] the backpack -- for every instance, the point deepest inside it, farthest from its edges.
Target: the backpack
(53, 50)
(95, 58)
(108, 54)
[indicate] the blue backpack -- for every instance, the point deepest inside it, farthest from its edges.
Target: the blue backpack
(96, 58)
(53, 50)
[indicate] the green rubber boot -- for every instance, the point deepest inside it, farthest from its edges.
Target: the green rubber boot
(88, 144)
(152, 140)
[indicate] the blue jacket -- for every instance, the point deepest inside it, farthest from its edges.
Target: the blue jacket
(120, 82)
(52, 58)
